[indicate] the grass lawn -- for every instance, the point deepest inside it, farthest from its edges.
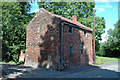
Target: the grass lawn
(12, 62)
(101, 60)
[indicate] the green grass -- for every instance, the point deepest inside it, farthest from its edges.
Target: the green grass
(101, 60)
(12, 62)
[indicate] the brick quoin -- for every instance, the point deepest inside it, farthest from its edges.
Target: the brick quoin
(44, 41)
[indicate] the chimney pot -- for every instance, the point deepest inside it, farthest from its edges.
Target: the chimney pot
(74, 18)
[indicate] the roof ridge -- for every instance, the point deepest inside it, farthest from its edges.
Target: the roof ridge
(69, 20)
(63, 18)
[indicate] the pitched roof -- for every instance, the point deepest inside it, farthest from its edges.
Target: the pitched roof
(68, 20)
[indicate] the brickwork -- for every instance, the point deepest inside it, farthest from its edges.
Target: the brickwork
(43, 42)
(42, 39)
(75, 39)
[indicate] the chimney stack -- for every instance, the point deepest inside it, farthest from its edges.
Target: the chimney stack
(74, 18)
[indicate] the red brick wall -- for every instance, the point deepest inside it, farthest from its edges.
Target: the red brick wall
(43, 39)
(75, 39)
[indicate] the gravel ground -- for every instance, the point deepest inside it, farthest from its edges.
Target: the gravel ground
(89, 71)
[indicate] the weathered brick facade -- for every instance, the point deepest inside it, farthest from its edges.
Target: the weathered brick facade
(48, 41)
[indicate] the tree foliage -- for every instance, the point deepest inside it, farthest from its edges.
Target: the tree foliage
(112, 46)
(15, 18)
(14, 21)
(83, 11)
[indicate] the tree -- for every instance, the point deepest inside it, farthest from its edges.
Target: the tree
(83, 11)
(112, 47)
(14, 21)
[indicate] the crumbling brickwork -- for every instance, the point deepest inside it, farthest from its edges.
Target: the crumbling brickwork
(43, 41)
(75, 39)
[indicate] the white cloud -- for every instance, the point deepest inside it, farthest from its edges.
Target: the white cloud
(36, 10)
(104, 37)
(107, 0)
(115, 0)
(100, 10)
(106, 6)
(101, 0)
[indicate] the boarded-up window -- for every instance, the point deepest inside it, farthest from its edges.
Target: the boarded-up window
(85, 33)
(70, 29)
(82, 47)
(71, 50)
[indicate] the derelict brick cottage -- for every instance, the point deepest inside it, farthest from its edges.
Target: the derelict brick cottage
(52, 40)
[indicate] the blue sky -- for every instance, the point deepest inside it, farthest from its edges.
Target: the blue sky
(108, 10)
(35, 7)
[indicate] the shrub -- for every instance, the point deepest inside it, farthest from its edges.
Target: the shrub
(19, 63)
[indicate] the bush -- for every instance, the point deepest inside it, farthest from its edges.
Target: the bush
(19, 63)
